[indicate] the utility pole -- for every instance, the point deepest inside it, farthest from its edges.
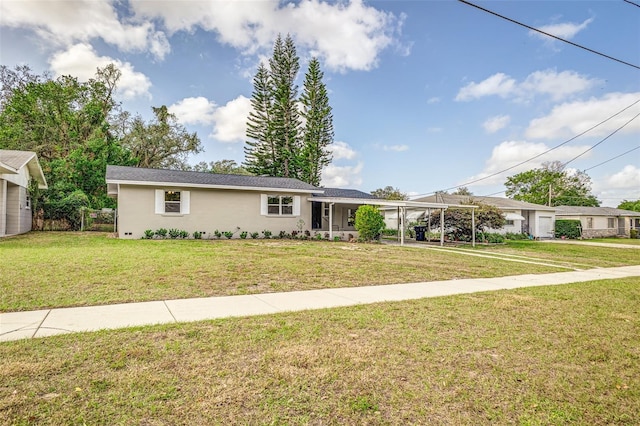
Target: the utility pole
(549, 195)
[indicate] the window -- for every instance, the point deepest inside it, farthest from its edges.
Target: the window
(27, 203)
(610, 223)
(327, 206)
(172, 201)
(351, 217)
(509, 222)
(280, 205)
(589, 223)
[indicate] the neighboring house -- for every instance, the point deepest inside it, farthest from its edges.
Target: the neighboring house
(194, 201)
(17, 168)
(521, 217)
(601, 221)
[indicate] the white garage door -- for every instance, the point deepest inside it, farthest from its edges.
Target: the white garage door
(546, 227)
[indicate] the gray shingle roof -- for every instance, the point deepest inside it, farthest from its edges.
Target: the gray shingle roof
(593, 211)
(186, 178)
(502, 203)
(345, 193)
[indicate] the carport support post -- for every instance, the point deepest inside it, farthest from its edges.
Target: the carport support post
(398, 224)
(402, 210)
(473, 227)
(331, 221)
(429, 225)
(441, 227)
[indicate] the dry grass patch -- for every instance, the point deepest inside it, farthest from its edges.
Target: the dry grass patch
(546, 355)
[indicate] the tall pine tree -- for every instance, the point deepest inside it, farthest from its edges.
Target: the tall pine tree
(286, 119)
(318, 126)
(260, 150)
(278, 144)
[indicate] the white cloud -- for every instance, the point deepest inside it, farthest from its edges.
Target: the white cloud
(231, 120)
(341, 151)
(433, 100)
(82, 61)
(566, 30)
(342, 176)
(509, 153)
(628, 177)
(496, 123)
(557, 85)
(396, 148)
(498, 84)
(572, 118)
(350, 35)
(614, 188)
(61, 23)
(198, 110)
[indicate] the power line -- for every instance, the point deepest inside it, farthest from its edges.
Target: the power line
(632, 3)
(550, 35)
(611, 159)
(541, 154)
(607, 137)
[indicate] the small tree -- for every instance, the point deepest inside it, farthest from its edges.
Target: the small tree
(458, 222)
(369, 223)
(389, 193)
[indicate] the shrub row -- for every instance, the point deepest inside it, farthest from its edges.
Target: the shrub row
(162, 233)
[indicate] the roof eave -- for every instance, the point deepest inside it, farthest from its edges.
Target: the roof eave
(209, 186)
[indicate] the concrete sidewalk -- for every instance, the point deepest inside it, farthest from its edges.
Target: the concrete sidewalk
(49, 322)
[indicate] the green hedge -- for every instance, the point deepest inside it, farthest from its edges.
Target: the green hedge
(568, 228)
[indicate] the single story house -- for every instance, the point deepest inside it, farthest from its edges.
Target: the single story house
(600, 222)
(521, 217)
(150, 199)
(17, 168)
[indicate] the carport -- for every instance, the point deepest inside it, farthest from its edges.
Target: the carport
(404, 207)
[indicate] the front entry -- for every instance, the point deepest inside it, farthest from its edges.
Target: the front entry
(316, 215)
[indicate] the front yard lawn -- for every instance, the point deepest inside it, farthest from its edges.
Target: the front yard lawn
(543, 355)
(53, 269)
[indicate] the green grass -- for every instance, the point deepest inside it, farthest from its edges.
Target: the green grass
(555, 355)
(56, 269)
(634, 241)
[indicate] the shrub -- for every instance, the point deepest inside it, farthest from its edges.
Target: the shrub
(243, 234)
(390, 232)
(282, 235)
(516, 236)
(68, 209)
(228, 234)
(162, 233)
(633, 233)
(174, 233)
(267, 234)
(197, 235)
(568, 228)
(255, 235)
(184, 235)
(369, 223)
(217, 233)
(148, 234)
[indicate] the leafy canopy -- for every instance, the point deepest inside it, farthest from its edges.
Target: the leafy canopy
(552, 185)
(389, 193)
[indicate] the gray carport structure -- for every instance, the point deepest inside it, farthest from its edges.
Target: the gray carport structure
(402, 207)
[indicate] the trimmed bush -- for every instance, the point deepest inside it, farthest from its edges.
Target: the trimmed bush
(369, 223)
(568, 228)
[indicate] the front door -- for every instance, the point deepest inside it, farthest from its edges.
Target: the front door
(621, 228)
(316, 215)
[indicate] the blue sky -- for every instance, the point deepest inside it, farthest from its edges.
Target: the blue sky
(426, 95)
